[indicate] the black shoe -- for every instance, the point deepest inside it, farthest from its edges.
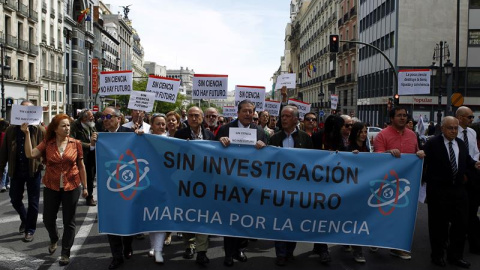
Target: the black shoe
(325, 257)
(439, 262)
(21, 230)
(127, 253)
(189, 253)
(281, 261)
(240, 256)
(460, 263)
(228, 261)
(202, 258)
(115, 263)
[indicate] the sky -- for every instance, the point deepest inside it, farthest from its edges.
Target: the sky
(243, 39)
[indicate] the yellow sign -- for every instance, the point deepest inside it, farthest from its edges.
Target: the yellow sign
(457, 99)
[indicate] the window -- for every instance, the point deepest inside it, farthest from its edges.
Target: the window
(45, 95)
(60, 97)
(54, 96)
(20, 69)
(392, 40)
(474, 3)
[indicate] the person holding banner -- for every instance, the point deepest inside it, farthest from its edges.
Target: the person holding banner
(137, 122)
(23, 171)
(195, 131)
(289, 137)
(64, 173)
(446, 163)
(246, 110)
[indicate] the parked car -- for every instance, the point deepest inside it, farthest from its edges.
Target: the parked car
(372, 132)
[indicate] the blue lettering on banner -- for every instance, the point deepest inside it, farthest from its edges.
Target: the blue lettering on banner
(153, 183)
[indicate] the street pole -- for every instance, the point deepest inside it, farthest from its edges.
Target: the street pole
(439, 113)
(4, 110)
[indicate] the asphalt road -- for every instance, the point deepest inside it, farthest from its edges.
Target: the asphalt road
(91, 250)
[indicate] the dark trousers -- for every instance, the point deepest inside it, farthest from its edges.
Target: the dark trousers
(284, 249)
(473, 233)
(119, 245)
(320, 247)
(447, 220)
(51, 204)
(232, 245)
(17, 188)
(90, 169)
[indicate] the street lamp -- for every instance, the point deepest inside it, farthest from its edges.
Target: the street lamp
(440, 52)
(3, 68)
(448, 68)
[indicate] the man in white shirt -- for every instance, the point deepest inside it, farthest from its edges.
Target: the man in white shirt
(137, 122)
(469, 136)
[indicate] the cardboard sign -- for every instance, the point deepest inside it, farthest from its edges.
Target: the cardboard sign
(116, 83)
(272, 107)
(229, 111)
(288, 80)
(303, 107)
(140, 100)
(414, 81)
(165, 89)
(334, 101)
(246, 136)
(207, 86)
(255, 94)
(32, 115)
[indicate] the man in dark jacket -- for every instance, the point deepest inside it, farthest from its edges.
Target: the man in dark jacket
(289, 137)
(83, 129)
(246, 110)
(195, 131)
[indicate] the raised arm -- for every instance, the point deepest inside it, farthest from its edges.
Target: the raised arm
(29, 152)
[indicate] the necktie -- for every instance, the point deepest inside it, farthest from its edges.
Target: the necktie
(453, 161)
(465, 138)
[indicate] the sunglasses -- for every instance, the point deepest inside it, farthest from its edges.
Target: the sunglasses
(255, 119)
(348, 125)
(310, 119)
(107, 116)
(211, 116)
(470, 117)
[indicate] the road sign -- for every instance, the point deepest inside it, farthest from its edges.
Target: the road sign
(321, 113)
(457, 99)
(95, 108)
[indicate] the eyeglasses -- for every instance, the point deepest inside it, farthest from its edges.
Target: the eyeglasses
(470, 116)
(107, 116)
(255, 119)
(211, 116)
(310, 119)
(348, 125)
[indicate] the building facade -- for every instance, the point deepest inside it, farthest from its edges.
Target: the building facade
(153, 68)
(19, 39)
(186, 80)
(138, 54)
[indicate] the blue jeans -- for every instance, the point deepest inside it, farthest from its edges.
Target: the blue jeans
(5, 178)
(17, 188)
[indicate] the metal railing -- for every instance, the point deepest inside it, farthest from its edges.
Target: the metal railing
(33, 49)
(12, 41)
(44, 7)
(11, 4)
(44, 37)
(52, 13)
(22, 45)
(32, 14)
(53, 75)
(22, 9)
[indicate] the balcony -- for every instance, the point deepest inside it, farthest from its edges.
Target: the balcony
(353, 11)
(12, 41)
(22, 10)
(349, 78)
(52, 42)
(2, 37)
(345, 17)
(340, 22)
(11, 5)
(33, 15)
(22, 45)
(52, 13)
(47, 74)
(60, 17)
(33, 49)
(352, 45)
(340, 80)
(344, 47)
(44, 7)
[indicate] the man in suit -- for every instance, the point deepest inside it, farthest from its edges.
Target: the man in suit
(289, 137)
(469, 137)
(83, 129)
(23, 171)
(120, 246)
(245, 113)
(195, 131)
(446, 162)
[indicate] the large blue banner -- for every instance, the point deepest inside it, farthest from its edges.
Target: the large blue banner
(154, 183)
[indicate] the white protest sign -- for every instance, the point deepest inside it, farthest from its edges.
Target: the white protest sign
(208, 86)
(414, 81)
(334, 101)
(303, 107)
(140, 100)
(32, 115)
(272, 107)
(165, 89)
(243, 136)
(115, 83)
(229, 111)
(255, 94)
(288, 80)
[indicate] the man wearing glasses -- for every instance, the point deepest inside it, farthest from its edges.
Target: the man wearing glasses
(397, 139)
(310, 123)
(469, 137)
(120, 246)
(346, 129)
(211, 117)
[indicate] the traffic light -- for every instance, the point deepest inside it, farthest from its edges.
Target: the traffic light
(334, 40)
(397, 100)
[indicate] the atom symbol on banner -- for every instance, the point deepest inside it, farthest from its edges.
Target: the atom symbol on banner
(390, 193)
(128, 176)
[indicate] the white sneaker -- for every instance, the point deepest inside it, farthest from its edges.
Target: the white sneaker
(151, 253)
(3, 189)
(158, 257)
